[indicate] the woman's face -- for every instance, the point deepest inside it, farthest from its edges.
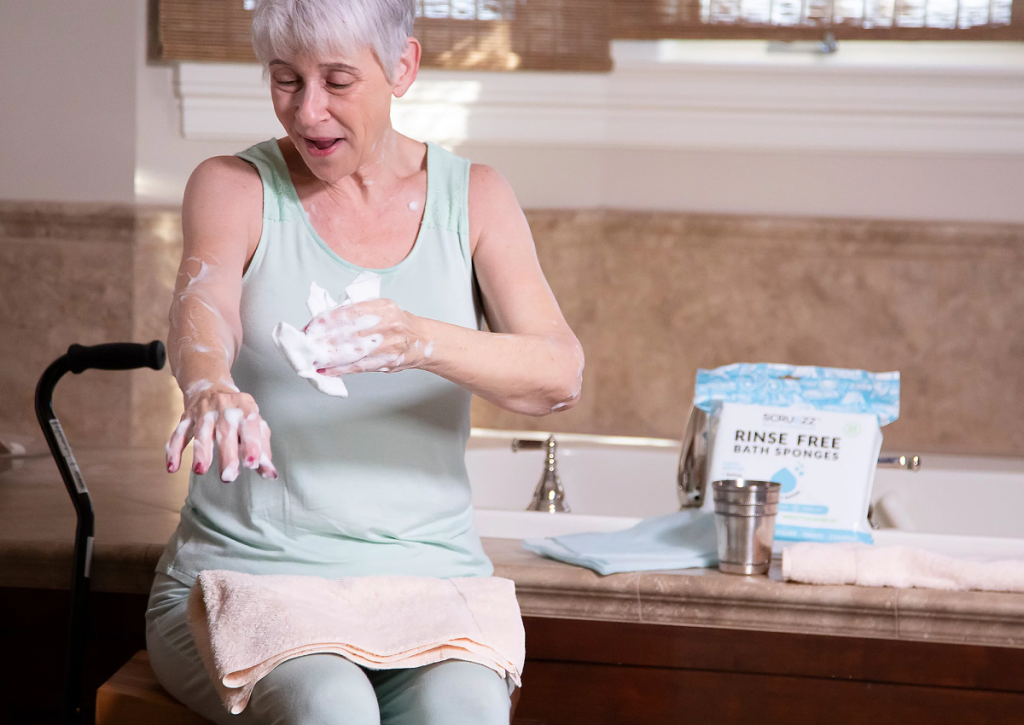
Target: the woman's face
(336, 109)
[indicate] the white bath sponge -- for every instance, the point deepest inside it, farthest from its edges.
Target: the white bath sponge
(301, 350)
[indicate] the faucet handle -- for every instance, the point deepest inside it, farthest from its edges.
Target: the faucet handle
(527, 444)
(910, 463)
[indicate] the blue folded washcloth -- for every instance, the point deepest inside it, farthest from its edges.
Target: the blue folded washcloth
(683, 540)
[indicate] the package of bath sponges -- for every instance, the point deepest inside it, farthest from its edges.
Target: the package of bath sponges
(816, 431)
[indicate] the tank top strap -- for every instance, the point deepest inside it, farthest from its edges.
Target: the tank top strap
(277, 202)
(447, 203)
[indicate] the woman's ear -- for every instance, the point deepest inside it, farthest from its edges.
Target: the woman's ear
(408, 67)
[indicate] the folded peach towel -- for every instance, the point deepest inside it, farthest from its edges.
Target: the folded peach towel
(245, 625)
(896, 566)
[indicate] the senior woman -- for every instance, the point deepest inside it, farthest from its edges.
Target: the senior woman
(375, 483)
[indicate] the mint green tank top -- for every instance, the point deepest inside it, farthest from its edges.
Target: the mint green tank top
(371, 484)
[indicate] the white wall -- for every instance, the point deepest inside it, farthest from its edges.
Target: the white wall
(164, 158)
(67, 100)
(85, 117)
(952, 187)
(925, 131)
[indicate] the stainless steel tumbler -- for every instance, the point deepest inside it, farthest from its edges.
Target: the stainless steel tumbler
(745, 521)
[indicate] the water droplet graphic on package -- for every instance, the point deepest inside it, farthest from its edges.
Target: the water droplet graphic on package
(785, 477)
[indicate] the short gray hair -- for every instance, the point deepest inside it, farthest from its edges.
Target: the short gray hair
(323, 27)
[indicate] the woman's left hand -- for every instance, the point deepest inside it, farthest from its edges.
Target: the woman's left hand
(371, 336)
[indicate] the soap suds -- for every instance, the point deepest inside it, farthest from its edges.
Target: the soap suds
(202, 446)
(197, 387)
(209, 420)
(233, 416)
(429, 349)
(198, 289)
(174, 444)
(305, 349)
(413, 206)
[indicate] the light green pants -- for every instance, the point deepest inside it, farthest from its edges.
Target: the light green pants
(321, 689)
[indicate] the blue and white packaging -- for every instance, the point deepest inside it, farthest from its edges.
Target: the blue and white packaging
(816, 431)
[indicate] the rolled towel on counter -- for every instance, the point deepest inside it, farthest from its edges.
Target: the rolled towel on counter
(897, 566)
(245, 625)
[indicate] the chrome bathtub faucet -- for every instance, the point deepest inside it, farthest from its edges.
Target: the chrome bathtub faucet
(549, 495)
(910, 463)
(691, 475)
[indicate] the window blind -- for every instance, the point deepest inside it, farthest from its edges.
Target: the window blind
(812, 19)
(575, 35)
(571, 35)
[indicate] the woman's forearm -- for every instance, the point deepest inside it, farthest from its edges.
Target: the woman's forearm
(525, 373)
(201, 342)
(200, 356)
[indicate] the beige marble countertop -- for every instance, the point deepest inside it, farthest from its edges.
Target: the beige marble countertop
(137, 507)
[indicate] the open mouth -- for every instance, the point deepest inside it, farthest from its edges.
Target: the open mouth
(321, 146)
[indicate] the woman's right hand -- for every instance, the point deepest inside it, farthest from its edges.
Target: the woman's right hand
(223, 414)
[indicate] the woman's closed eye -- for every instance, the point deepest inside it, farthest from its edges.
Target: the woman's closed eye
(338, 80)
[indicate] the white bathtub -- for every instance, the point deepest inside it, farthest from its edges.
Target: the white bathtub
(955, 504)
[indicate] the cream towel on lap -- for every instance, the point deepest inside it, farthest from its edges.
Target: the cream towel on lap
(244, 625)
(897, 566)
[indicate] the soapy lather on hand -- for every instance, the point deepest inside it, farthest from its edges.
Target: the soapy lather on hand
(202, 342)
(344, 338)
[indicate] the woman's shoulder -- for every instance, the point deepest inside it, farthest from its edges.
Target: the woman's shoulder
(218, 169)
(226, 178)
(492, 201)
(487, 182)
(223, 205)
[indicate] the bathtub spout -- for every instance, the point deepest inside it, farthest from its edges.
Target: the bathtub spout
(549, 495)
(691, 477)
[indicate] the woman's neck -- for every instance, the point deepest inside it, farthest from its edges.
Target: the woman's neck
(389, 160)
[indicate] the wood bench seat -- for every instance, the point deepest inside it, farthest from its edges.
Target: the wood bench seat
(133, 696)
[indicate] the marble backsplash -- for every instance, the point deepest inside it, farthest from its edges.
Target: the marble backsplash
(652, 296)
(87, 274)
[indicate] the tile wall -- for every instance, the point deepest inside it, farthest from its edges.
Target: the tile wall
(652, 296)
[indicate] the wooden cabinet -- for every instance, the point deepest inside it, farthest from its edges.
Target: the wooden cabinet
(581, 672)
(597, 673)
